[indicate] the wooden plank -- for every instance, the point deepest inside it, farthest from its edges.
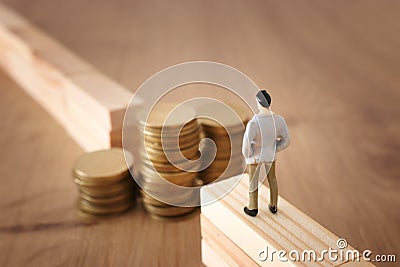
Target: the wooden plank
(288, 230)
(88, 104)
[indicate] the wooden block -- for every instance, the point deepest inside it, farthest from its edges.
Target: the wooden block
(41, 46)
(288, 230)
(105, 101)
(89, 105)
(85, 131)
(35, 76)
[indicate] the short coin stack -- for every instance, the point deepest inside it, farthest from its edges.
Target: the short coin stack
(225, 126)
(164, 142)
(104, 182)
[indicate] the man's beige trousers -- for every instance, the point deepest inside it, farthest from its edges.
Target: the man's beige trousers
(254, 171)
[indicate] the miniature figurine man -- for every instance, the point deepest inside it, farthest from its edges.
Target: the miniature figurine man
(266, 134)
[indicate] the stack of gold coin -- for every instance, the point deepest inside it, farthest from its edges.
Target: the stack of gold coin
(169, 150)
(224, 125)
(104, 182)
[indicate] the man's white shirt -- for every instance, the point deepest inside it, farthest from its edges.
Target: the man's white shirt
(266, 134)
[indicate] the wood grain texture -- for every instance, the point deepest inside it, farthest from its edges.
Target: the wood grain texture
(222, 245)
(332, 69)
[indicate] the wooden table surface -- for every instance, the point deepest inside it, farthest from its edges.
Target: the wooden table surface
(333, 69)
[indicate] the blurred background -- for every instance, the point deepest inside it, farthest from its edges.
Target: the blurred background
(331, 67)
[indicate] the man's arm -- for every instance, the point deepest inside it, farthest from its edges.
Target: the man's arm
(282, 133)
(248, 138)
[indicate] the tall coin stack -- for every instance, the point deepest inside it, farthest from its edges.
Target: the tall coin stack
(104, 182)
(175, 140)
(225, 126)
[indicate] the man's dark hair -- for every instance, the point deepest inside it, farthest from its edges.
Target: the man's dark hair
(263, 98)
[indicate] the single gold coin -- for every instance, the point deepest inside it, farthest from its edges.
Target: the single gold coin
(100, 210)
(98, 183)
(156, 152)
(110, 206)
(170, 139)
(166, 136)
(172, 146)
(158, 182)
(165, 161)
(127, 181)
(159, 135)
(173, 142)
(189, 166)
(149, 170)
(186, 181)
(178, 130)
(173, 156)
(147, 199)
(94, 217)
(161, 166)
(103, 166)
(108, 200)
(168, 211)
(157, 148)
(105, 194)
(166, 115)
(181, 129)
(186, 127)
(182, 218)
(217, 132)
(117, 189)
(179, 178)
(173, 192)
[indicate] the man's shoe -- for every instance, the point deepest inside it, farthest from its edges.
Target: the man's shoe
(273, 209)
(250, 212)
